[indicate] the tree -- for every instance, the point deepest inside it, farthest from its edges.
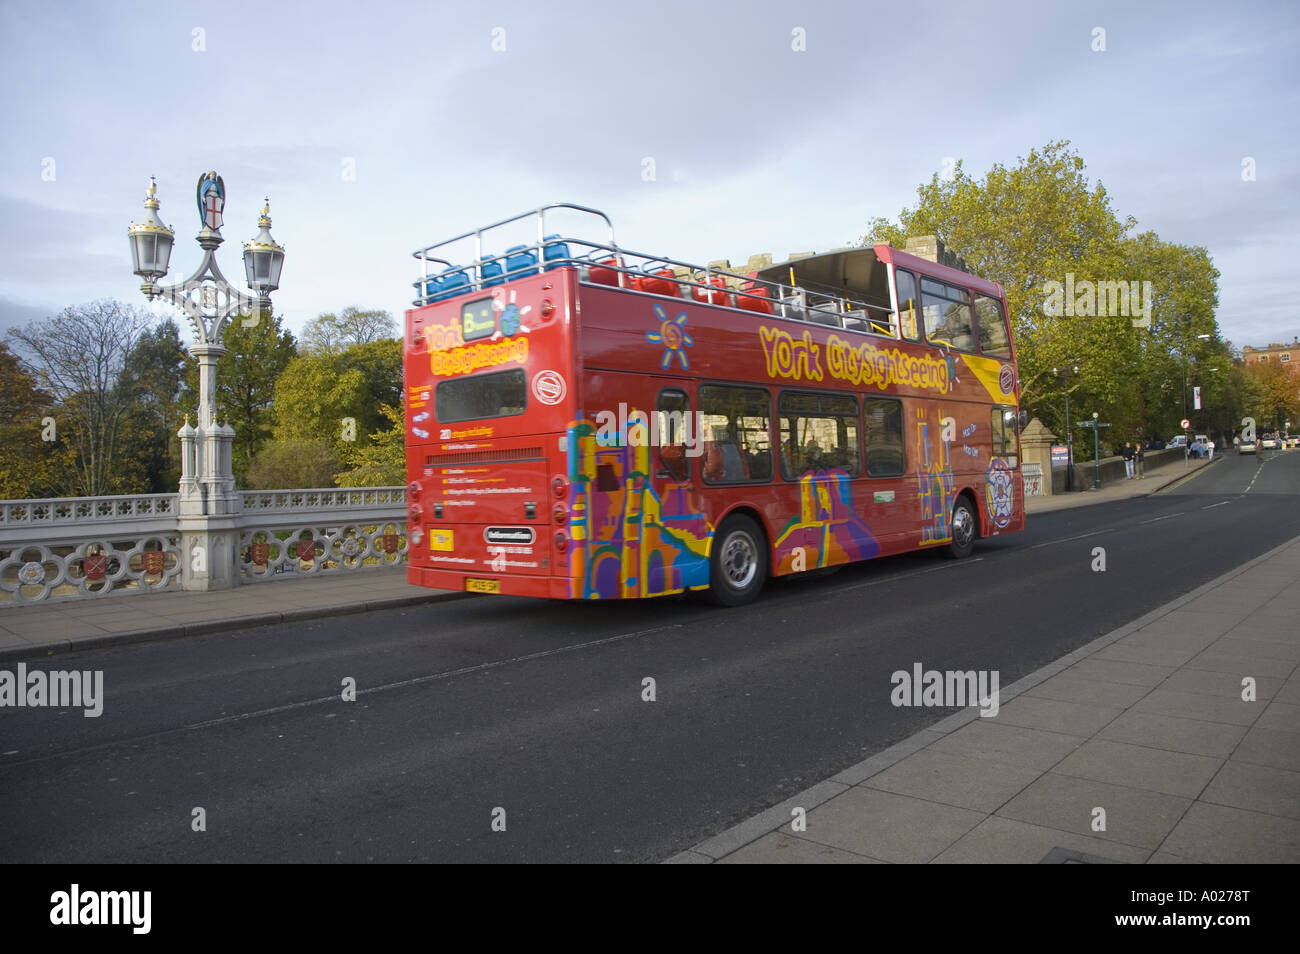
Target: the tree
(153, 378)
(382, 462)
(1273, 395)
(330, 333)
(284, 464)
(78, 358)
(1041, 222)
(339, 396)
(33, 459)
(256, 355)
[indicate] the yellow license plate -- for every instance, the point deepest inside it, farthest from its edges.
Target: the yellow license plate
(441, 541)
(482, 586)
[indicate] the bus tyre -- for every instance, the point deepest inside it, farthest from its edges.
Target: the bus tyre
(737, 562)
(963, 530)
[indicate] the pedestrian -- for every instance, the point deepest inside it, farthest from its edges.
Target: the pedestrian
(1139, 457)
(1210, 447)
(1236, 442)
(1128, 460)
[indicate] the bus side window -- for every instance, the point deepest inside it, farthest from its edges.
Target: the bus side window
(906, 284)
(883, 420)
(737, 433)
(992, 327)
(1006, 434)
(673, 423)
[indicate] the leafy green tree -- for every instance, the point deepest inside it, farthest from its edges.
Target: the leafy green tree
(152, 378)
(256, 356)
(34, 461)
(1042, 221)
(382, 461)
(296, 462)
(351, 387)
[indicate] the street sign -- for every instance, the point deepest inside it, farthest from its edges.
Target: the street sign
(1060, 455)
(1092, 424)
(1186, 424)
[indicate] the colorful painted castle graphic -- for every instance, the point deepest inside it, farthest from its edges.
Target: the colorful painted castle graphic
(935, 483)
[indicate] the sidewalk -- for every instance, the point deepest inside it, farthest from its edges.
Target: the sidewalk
(29, 632)
(1121, 489)
(1147, 724)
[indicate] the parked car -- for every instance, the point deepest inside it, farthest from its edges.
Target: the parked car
(1179, 440)
(1269, 442)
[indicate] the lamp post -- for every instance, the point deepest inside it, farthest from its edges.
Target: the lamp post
(209, 301)
(1202, 338)
(1069, 437)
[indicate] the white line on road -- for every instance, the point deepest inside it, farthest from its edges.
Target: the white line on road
(1253, 479)
(903, 576)
(1068, 539)
(432, 677)
(1219, 504)
(1165, 517)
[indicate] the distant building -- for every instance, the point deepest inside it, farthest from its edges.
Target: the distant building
(1287, 355)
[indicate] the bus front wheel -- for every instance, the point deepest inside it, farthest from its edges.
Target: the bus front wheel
(963, 530)
(737, 562)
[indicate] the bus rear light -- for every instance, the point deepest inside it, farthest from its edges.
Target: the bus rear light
(416, 512)
(416, 536)
(561, 514)
(560, 486)
(561, 543)
(548, 308)
(413, 491)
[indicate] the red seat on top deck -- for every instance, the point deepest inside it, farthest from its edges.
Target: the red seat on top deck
(755, 297)
(662, 282)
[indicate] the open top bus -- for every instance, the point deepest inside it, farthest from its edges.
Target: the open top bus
(588, 422)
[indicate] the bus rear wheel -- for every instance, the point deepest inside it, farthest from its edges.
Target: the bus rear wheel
(963, 530)
(737, 562)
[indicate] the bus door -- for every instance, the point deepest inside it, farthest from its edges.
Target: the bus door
(888, 496)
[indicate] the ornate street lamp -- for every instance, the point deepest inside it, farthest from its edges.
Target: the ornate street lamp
(151, 242)
(208, 300)
(263, 258)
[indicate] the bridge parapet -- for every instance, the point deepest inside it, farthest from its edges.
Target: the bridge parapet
(69, 548)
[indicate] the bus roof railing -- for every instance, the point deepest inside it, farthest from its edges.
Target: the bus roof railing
(700, 283)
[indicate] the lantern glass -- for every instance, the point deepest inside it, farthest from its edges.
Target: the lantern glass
(262, 268)
(150, 253)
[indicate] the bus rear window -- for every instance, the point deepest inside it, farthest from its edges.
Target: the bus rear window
(500, 394)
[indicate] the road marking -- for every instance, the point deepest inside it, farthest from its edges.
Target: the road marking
(904, 576)
(1253, 479)
(1165, 517)
(434, 677)
(335, 697)
(1068, 539)
(1219, 504)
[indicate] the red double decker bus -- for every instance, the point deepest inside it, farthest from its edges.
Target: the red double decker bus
(588, 422)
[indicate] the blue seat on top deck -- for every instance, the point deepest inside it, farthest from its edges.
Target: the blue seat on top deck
(453, 282)
(492, 271)
(520, 262)
(555, 253)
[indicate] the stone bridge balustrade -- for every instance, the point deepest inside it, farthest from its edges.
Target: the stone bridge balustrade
(90, 547)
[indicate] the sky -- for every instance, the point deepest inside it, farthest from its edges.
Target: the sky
(376, 129)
